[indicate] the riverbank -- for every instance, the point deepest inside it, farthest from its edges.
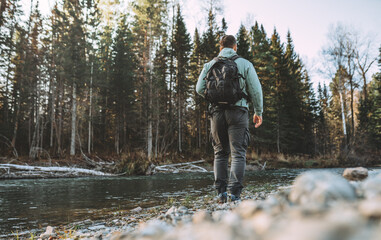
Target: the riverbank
(319, 205)
(24, 168)
(175, 211)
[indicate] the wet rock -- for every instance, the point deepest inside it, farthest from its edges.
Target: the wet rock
(355, 174)
(321, 189)
(136, 210)
(182, 210)
(97, 227)
(372, 187)
(171, 211)
(48, 234)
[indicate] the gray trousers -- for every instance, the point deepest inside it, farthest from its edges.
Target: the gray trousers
(230, 136)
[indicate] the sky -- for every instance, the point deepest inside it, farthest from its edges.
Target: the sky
(308, 21)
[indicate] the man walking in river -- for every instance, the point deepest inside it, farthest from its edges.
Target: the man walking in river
(228, 82)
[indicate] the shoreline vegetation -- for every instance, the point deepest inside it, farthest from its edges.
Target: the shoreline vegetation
(23, 167)
(337, 207)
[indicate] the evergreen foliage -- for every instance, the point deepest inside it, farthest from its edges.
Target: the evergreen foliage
(84, 79)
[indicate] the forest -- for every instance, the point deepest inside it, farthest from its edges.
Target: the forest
(87, 81)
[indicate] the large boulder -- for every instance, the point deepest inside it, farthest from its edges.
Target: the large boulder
(355, 174)
(318, 188)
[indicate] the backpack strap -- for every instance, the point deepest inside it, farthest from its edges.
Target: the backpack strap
(235, 57)
(244, 95)
(216, 59)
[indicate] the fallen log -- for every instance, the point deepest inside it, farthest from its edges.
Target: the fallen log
(71, 170)
(180, 167)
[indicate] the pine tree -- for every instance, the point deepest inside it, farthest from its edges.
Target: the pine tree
(181, 46)
(243, 43)
(210, 41)
(200, 104)
(72, 54)
(281, 75)
(123, 85)
(265, 137)
(322, 129)
(162, 114)
(148, 27)
(10, 12)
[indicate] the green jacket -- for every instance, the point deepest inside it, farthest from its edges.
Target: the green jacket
(251, 85)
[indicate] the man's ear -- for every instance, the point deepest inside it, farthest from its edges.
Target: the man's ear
(221, 48)
(235, 47)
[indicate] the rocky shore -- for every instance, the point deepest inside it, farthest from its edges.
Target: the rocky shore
(318, 206)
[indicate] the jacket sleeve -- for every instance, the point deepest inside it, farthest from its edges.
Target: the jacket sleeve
(201, 83)
(254, 89)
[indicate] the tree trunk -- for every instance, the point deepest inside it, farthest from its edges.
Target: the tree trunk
(352, 113)
(90, 111)
(52, 120)
(73, 120)
(199, 129)
(16, 121)
(179, 119)
(60, 113)
(343, 116)
(150, 66)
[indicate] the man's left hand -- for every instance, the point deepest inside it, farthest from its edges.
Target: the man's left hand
(257, 120)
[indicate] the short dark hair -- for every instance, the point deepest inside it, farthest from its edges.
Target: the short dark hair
(228, 41)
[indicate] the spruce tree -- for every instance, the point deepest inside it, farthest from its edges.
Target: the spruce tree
(181, 46)
(122, 85)
(10, 13)
(243, 43)
(210, 40)
(200, 105)
(147, 28)
(265, 137)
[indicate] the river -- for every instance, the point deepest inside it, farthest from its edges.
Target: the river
(30, 204)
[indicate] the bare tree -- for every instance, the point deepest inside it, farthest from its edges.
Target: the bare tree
(335, 54)
(364, 60)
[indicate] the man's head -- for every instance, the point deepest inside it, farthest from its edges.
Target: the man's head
(228, 41)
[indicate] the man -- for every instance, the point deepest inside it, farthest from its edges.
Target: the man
(229, 125)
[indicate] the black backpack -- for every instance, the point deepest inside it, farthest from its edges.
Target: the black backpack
(222, 82)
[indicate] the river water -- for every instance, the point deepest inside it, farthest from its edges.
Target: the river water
(36, 203)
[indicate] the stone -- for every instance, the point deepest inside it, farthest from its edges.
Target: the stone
(355, 174)
(201, 216)
(217, 215)
(297, 229)
(372, 187)
(260, 222)
(371, 208)
(136, 210)
(321, 189)
(247, 208)
(182, 210)
(171, 211)
(97, 227)
(48, 234)
(231, 219)
(153, 228)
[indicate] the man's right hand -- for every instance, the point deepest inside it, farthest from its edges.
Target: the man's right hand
(257, 120)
